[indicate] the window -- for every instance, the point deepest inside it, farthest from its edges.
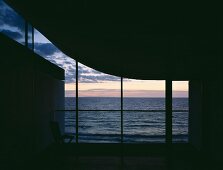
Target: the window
(144, 111)
(30, 36)
(180, 113)
(69, 65)
(99, 106)
(110, 109)
(11, 24)
(67, 115)
(45, 48)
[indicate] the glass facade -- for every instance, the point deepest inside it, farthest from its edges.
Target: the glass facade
(44, 47)
(98, 91)
(11, 23)
(99, 127)
(180, 113)
(30, 37)
(99, 106)
(144, 111)
(110, 109)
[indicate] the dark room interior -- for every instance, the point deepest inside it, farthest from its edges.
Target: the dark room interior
(153, 42)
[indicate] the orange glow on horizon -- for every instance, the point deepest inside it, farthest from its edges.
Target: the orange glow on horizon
(132, 88)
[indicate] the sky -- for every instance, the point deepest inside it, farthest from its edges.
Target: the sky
(92, 83)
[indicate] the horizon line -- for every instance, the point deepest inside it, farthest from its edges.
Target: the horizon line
(116, 97)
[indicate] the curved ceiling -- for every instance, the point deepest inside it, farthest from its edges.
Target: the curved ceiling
(135, 40)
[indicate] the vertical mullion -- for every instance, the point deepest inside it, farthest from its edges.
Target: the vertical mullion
(32, 38)
(121, 109)
(26, 33)
(76, 101)
(168, 111)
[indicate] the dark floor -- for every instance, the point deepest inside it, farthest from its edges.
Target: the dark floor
(90, 157)
(118, 163)
(109, 157)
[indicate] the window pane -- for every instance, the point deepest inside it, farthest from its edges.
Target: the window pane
(180, 111)
(99, 126)
(70, 122)
(69, 66)
(145, 120)
(11, 24)
(30, 42)
(48, 51)
(44, 47)
(67, 122)
(144, 127)
(98, 91)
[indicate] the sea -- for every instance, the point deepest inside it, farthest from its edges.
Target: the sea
(99, 119)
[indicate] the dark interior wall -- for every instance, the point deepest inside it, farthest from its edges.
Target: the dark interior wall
(206, 117)
(49, 96)
(195, 117)
(213, 120)
(29, 95)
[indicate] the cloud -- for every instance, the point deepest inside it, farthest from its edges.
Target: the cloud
(86, 74)
(97, 78)
(144, 93)
(117, 93)
(180, 94)
(89, 75)
(13, 25)
(9, 17)
(12, 34)
(94, 93)
(45, 49)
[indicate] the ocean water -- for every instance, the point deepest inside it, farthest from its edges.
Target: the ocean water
(140, 124)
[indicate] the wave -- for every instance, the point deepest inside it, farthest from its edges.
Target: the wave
(105, 126)
(128, 138)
